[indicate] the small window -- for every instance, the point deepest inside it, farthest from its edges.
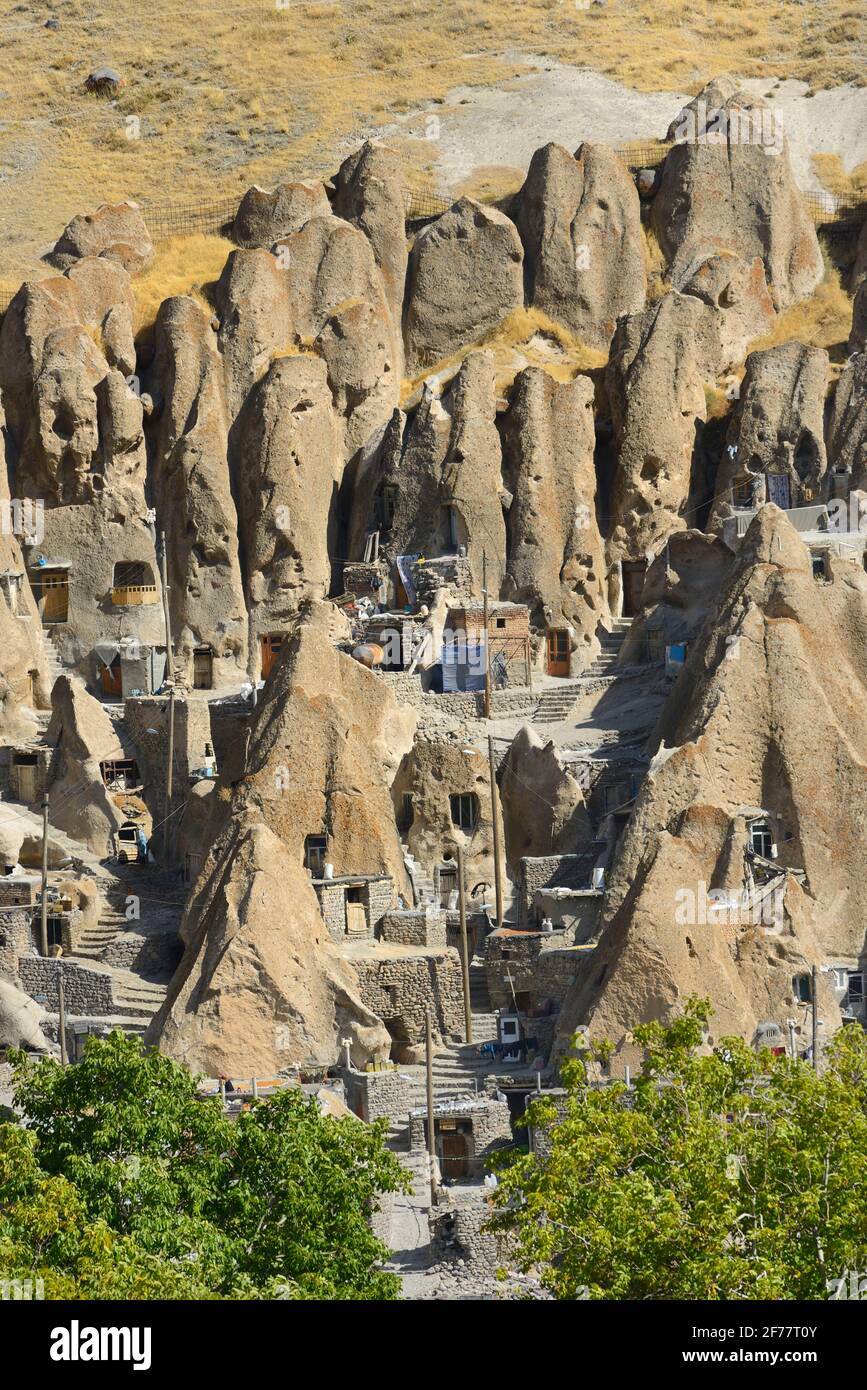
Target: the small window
(820, 567)
(120, 774)
(314, 855)
(742, 492)
(761, 840)
(501, 622)
(802, 988)
(464, 809)
(855, 992)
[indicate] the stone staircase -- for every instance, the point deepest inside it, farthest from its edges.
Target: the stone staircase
(611, 642)
(52, 658)
(137, 998)
(556, 702)
(94, 941)
(422, 883)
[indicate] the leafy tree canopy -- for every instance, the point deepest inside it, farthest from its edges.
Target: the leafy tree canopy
(734, 1175)
(125, 1185)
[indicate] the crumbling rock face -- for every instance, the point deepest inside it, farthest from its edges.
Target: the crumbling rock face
(858, 335)
(847, 429)
(727, 185)
(734, 745)
(433, 774)
(83, 736)
(287, 462)
(260, 985)
(320, 292)
(739, 306)
(655, 387)
(444, 472)
(116, 232)
(24, 680)
(777, 428)
(370, 194)
(543, 804)
(74, 422)
(465, 276)
(190, 475)
(555, 561)
(580, 222)
(260, 980)
(264, 217)
(681, 589)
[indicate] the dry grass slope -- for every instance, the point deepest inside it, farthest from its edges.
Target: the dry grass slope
(258, 90)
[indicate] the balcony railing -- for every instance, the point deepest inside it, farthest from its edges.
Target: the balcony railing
(131, 595)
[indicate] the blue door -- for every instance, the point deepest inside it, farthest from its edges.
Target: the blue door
(778, 489)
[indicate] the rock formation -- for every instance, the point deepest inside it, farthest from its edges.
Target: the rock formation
(264, 217)
(543, 804)
(83, 736)
(193, 493)
(370, 194)
(555, 561)
(766, 725)
(465, 276)
(580, 222)
(20, 1020)
(775, 443)
(116, 232)
(847, 429)
(727, 185)
(260, 984)
(655, 388)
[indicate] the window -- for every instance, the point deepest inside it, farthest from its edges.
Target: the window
(802, 988)
(501, 622)
(820, 567)
(761, 840)
(742, 492)
(120, 774)
(314, 855)
(464, 811)
(131, 572)
(855, 992)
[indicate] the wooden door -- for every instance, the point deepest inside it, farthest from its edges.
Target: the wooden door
(558, 651)
(112, 684)
(203, 668)
(55, 596)
(633, 586)
(26, 782)
(454, 1160)
(356, 920)
(270, 643)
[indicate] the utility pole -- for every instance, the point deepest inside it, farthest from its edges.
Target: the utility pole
(495, 826)
(170, 660)
(465, 957)
(815, 993)
(485, 622)
(43, 929)
(61, 1005)
(431, 1146)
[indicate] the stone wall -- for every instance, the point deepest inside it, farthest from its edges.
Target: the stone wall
(377, 896)
(415, 927)
(485, 1124)
(87, 990)
(150, 951)
(373, 1094)
(15, 939)
(457, 1237)
(400, 990)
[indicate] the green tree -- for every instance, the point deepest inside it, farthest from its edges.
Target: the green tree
(734, 1175)
(274, 1203)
